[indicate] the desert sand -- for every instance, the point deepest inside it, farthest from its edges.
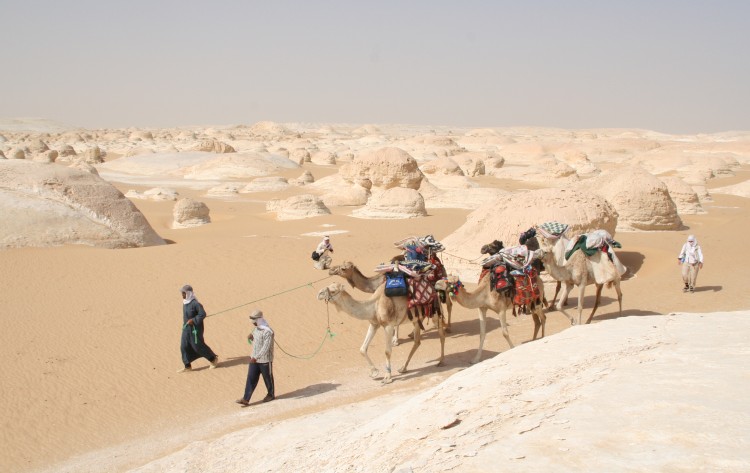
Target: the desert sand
(91, 328)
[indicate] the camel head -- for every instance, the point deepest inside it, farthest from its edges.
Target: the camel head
(330, 291)
(492, 248)
(342, 269)
(450, 285)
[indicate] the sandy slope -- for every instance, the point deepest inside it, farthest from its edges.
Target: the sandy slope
(91, 336)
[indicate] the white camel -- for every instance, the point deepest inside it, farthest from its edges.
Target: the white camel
(579, 270)
(381, 311)
(483, 298)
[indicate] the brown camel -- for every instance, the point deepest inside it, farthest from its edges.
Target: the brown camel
(483, 298)
(356, 279)
(381, 311)
(580, 270)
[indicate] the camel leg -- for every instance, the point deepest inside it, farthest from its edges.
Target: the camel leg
(417, 342)
(540, 320)
(596, 301)
(564, 297)
(441, 334)
(482, 333)
(368, 338)
(619, 294)
(388, 337)
(449, 309)
(581, 292)
(558, 285)
(504, 328)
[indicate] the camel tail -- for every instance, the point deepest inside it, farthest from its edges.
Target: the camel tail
(609, 284)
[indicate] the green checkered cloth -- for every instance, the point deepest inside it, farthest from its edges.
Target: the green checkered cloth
(552, 229)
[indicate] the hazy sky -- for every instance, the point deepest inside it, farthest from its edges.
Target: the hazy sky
(672, 66)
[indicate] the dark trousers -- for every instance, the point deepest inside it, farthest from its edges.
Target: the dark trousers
(192, 349)
(254, 370)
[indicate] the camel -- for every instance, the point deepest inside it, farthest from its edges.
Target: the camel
(356, 279)
(580, 270)
(381, 311)
(483, 298)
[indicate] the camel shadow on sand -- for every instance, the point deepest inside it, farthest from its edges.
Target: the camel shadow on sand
(312, 390)
(451, 361)
(632, 260)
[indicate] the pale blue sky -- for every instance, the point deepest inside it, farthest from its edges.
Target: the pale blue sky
(671, 66)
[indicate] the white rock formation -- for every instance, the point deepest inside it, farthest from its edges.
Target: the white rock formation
(741, 189)
(642, 200)
(66, 150)
(266, 184)
(157, 193)
(214, 146)
(347, 196)
(84, 166)
(444, 165)
(224, 190)
(50, 205)
(190, 213)
(17, 153)
(383, 168)
(396, 202)
(304, 179)
(507, 217)
(323, 157)
(300, 156)
(684, 197)
(297, 207)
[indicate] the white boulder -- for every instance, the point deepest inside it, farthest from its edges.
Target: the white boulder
(50, 205)
(396, 202)
(297, 207)
(190, 213)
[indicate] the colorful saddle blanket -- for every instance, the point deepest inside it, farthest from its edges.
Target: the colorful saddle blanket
(526, 286)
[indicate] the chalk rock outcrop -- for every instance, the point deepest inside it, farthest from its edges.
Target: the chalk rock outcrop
(323, 157)
(190, 213)
(66, 150)
(50, 205)
(300, 156)
(508, 216)
(683, 196)
(157, 193)
(355, 195)
(214, 146)
(266, 184)
(304, 179)
(384, 168)
(642, 200)
(297, 207)
(17, 153)
(444, 165)
(396, 202)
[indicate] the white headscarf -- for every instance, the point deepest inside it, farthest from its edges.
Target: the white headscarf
(263, 325)
(189, 297)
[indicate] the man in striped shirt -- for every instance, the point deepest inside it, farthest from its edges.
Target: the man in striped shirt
(261, 360)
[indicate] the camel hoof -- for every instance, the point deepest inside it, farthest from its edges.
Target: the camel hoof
(394, 342)
(474, 361)
(402, 370)
(440, 363)
(447, 330)
(411, 335)
(374, 373)
(387, 380)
